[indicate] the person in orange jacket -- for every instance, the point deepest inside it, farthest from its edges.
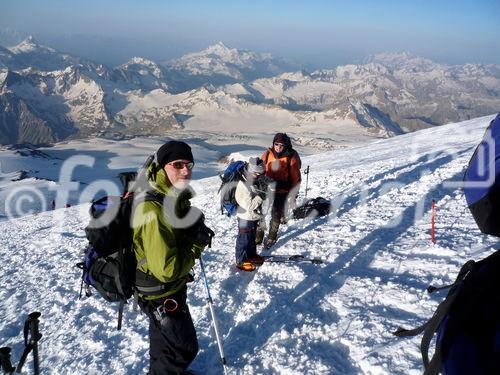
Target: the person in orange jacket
(283, 166)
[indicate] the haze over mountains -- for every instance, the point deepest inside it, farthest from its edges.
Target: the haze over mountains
(47, 95)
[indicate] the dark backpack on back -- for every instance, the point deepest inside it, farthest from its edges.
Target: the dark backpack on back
(316, 206)
(467, 323)
(233, 173)
(110, 264)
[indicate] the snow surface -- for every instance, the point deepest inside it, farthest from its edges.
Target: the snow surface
(334, 318)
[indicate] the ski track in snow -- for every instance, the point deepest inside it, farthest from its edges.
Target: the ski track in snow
(297, 318)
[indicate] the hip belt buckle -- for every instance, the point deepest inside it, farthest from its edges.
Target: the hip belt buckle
(169, 307)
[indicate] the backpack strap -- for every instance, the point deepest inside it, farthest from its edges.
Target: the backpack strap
(433, 367)
(120, 255)
(142, 262)
(120, 314)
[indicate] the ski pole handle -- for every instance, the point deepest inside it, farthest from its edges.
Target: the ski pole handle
(5, 362)
(306, 172)
(35, 337)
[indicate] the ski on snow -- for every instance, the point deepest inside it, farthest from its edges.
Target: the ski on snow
(296, 258)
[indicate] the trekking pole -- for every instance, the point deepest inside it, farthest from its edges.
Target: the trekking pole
(31, 344)
(5, 363)
(433, 222)
(210, 304)
(306, 172)
(216, 327)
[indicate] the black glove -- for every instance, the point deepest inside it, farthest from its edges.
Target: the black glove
(204, 235)
(199, 232)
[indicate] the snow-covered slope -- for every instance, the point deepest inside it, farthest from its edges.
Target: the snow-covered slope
(334, 318)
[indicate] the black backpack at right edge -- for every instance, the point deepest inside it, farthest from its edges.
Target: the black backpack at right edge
(467, 322)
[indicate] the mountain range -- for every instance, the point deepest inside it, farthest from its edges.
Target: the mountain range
(48, 96)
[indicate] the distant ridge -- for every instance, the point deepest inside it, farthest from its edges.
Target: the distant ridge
(48, 96)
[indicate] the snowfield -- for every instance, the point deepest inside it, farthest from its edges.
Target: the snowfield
(293, 318)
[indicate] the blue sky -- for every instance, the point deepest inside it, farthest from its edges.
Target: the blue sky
(316, 32)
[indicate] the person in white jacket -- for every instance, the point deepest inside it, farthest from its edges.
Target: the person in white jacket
(249, 213)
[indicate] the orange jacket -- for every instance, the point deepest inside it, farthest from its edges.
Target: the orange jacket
(285, 170)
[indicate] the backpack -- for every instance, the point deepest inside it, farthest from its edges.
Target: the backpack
(319, 205)
(109, 264)
(482, 181)
(233, 173)
(467, 323)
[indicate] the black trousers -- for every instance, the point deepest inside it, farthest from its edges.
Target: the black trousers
(278, 209)
(277, 213)
(172, 343)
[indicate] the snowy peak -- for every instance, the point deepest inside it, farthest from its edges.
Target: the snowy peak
(232, 63)
(136, 60)
(235, 56)
(142, 73)
(399, 60)
(219, 49)
(142, 66)
(224, 53)
(29, 54)
(30, 45)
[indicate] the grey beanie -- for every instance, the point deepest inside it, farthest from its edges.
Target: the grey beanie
(256, 165)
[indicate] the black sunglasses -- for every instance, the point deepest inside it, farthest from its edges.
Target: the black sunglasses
(279, 144)
(181, 164)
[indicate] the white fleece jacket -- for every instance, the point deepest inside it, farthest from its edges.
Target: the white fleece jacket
(248, 206)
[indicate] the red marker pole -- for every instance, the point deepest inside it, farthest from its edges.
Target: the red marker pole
(433, 222)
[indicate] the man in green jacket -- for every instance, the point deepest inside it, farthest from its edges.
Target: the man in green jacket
(169, 235)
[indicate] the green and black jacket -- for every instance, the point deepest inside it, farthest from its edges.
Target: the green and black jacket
(170, 252)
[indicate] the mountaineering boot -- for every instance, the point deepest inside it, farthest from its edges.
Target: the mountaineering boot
(259, 236)
(256, 259)
(246, 266)
(273, 234)
(269, 243)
